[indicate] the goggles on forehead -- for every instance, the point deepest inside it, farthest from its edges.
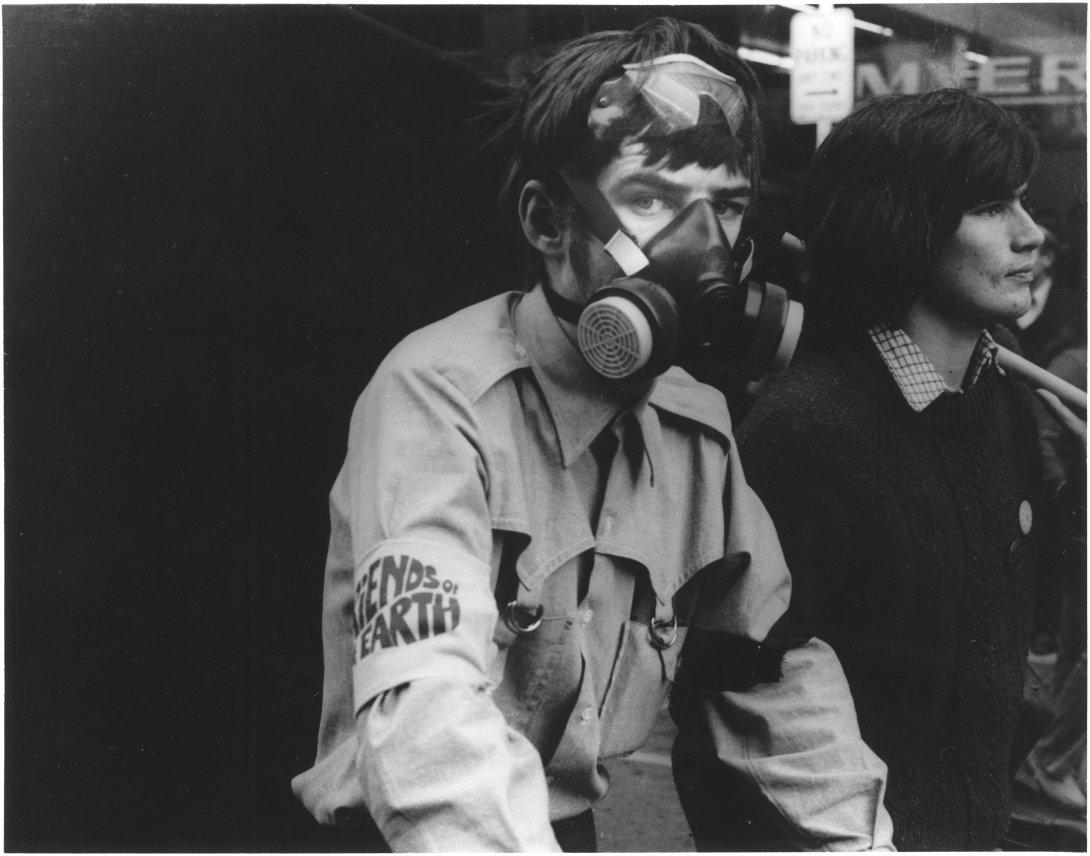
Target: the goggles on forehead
(665, 95)
(683, 295)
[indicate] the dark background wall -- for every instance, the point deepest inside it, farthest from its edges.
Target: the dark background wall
(217, 220)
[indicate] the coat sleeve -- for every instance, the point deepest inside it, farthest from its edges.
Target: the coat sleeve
(765, 759)
(440, 768)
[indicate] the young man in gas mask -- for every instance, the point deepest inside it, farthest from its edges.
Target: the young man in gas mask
(900, 464)
(537, 515)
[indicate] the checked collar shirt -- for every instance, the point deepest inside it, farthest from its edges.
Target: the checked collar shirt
(919, 381)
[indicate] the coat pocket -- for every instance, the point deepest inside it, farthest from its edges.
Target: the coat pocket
(540, 683)
(638, 687)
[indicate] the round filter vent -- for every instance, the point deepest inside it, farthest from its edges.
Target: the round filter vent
(615, 337)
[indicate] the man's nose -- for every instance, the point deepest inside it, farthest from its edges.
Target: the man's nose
(718, 235)
(716, 252)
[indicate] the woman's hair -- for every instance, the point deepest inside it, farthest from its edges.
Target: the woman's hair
(888, 188)
(543, 119)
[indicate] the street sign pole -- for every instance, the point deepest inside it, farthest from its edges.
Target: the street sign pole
(825, 126)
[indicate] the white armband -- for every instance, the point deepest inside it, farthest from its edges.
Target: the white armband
(420, 610)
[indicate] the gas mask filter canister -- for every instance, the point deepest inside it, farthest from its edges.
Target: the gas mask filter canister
(684, 293)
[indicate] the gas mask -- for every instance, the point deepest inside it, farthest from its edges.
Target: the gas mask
(684, 296)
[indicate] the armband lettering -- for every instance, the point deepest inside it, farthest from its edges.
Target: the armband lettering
(400, 600)
(420, 610)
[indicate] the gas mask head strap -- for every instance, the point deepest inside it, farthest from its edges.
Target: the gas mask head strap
(605, 224)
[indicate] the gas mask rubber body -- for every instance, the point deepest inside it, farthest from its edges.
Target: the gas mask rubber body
(683, 296)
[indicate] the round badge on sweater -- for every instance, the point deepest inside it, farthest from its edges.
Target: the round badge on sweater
(1025, 516)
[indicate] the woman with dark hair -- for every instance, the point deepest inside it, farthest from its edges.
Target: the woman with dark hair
(889, 190)
(900, 465)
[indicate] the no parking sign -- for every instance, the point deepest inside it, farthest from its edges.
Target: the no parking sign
(823, 74)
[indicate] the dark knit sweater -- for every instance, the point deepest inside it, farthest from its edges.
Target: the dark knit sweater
(907, 555)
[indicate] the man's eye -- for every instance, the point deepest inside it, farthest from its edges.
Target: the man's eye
(728, 209)
(647, 203)
(991, 209)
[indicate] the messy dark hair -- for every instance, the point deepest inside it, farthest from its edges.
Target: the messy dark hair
(887, 190)
(544, 118)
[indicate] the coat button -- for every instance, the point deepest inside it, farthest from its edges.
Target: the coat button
(1025, 516)
(586, 713)
(588, 614)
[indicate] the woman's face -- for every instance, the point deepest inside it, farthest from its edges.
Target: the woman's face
(985, 269)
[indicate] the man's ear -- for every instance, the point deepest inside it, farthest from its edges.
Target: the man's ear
(542, 219)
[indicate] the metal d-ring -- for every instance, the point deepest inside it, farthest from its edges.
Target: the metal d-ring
(522, 619)
(663, 633)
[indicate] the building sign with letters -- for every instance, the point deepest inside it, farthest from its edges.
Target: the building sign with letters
(1048, 90)
(1047, 79)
